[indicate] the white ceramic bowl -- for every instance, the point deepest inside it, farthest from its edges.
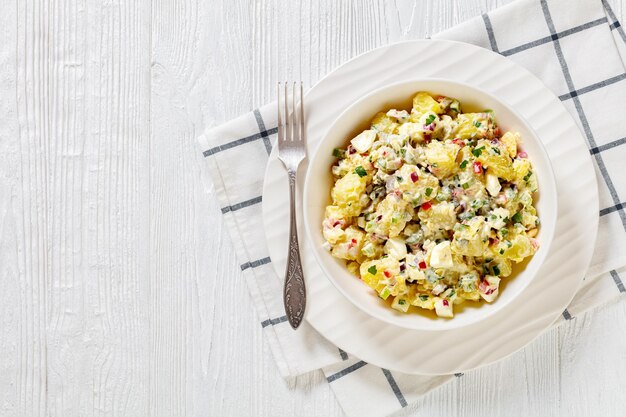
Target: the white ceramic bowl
(319, 182)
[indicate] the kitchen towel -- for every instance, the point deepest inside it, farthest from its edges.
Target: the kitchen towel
(578, 49)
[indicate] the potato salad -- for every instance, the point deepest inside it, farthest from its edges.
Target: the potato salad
(432, 207)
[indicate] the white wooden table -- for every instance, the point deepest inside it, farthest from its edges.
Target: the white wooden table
(117, 277)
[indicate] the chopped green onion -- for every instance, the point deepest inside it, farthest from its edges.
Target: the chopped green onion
(501, 251)
(504, 232)
(517, 217)
(401, 302)
(496, 150)
(423, 297)
(429, 191)
(465, 185)
(360, 171)
(339, 153)
(463, 164)
(399, 178)
(496, 270)
(385, 293)
(466, 215)
(372, 270)
(476, 152)
(430, 119)
(527, 176)
(477, 124)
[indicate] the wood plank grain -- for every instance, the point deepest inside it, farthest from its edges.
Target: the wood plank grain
(20, 388)
(198, 363)
(593, 362)
(82, 108)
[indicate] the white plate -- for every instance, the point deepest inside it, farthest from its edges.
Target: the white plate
(539, 304)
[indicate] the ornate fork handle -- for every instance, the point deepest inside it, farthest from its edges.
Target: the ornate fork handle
(294, 292)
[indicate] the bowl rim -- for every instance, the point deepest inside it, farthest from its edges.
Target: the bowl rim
(448, 324)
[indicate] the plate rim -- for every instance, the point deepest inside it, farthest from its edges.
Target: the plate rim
(586, 161)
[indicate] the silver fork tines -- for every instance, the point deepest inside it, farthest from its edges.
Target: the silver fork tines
(291, 151)
(290, 123)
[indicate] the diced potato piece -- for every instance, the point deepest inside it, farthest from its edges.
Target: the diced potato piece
(346, 193)
(416, 185)
(424, 103)
(415, 131)
(334, 222)
(439, 216)
(459, 264)
(396, 248)
(525, 198)
(401, 304)
(353, 268)
(529, 220)
(471, 239)
(468, 286)
(494, 158)
(516, 248)
(349, 164)
(333, 235)
(372, 250)
(335, 213)
(386, 158)
(451, 295)
(496, 219)
(510, 140)
(505, 267)
(383, 123)
(392, 214)
(413, 269)
(350, 245)
(522, 168)
(424, 301)
(373, 272)
(472, 125)
(524, 176)
(442, 158)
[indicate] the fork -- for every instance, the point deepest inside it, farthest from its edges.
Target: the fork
(291, 151)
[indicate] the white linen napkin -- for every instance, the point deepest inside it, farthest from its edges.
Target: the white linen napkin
(578, 50)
